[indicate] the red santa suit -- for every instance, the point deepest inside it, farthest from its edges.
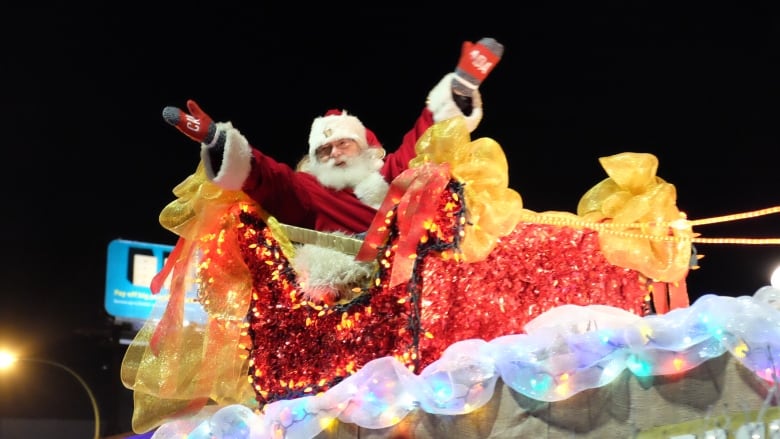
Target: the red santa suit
(298, 198)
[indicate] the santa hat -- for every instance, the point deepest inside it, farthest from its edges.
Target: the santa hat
(338, 124)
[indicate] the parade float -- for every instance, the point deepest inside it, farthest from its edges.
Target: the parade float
(479, 317)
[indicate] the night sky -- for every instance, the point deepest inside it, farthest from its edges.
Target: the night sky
(90, 159)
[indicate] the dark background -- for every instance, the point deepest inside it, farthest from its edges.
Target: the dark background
(88, 158)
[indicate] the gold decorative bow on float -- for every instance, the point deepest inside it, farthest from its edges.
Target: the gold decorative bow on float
(643, 208)
(174, 367)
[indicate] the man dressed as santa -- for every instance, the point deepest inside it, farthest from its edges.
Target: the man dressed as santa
(345, 176)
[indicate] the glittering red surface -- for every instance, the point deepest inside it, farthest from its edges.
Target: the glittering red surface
(300, 348)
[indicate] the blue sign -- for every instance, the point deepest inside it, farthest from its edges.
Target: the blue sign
(130, 268)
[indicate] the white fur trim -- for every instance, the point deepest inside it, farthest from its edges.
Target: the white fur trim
(236, 159)
(326, 129)
(372, 190)
(326, 274)
(443, 107)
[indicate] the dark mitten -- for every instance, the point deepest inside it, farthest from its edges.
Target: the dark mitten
(197, 125)
(476, 62)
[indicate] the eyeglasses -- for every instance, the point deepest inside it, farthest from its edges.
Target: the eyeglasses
(340, 145)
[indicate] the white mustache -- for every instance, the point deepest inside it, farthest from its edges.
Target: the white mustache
(334, 163)
(351, 171)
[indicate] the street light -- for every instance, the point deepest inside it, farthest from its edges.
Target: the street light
(7, 360)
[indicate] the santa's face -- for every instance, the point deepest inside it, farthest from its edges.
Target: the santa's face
(343, 164)
(338, 150)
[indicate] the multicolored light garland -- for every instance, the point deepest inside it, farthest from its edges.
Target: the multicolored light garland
(566, 351)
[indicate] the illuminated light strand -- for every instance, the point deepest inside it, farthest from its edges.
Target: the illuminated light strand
(736, 216)
(738, 241)
(695, 238)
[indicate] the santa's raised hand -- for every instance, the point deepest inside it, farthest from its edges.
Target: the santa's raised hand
(476, 61)
(197, 125)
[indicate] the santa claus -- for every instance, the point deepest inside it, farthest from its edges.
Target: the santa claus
(344, 178)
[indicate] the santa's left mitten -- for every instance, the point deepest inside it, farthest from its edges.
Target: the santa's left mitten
(197, 125)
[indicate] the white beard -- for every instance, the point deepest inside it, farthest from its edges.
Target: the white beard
(359, 173)
(328, 275)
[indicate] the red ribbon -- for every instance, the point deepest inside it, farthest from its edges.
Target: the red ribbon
(174, 312)
(670, 295)
(415, 192)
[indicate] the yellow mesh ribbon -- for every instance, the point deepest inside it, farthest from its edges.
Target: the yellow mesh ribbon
(493, 208)
(199, 197)
(633, 195)
(175, 368)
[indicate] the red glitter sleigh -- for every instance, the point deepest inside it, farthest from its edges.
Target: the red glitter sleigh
(457, 258)
(300, 348)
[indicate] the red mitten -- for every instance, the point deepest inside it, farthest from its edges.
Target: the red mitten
(197, 125)
(476, 61)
